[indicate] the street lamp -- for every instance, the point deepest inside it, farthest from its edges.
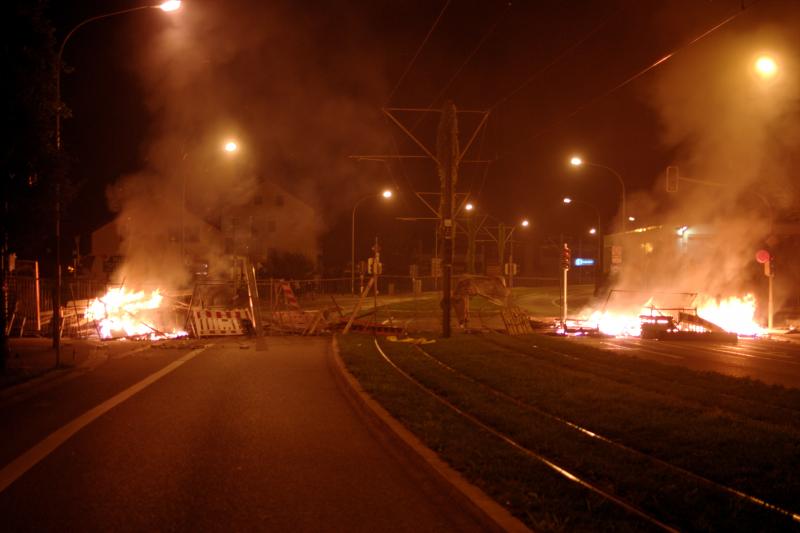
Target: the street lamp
(576, 161)
(231, 147)
(766, 67)
(386, 194)
(171, 5)
(598, 267)
(524, 223)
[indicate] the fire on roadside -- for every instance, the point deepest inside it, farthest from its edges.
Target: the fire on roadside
(126, 313)
(733, 314)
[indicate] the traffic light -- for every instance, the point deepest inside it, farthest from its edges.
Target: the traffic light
(672, 179)
(565, 257)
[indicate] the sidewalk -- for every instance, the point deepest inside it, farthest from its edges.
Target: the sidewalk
(31, 357)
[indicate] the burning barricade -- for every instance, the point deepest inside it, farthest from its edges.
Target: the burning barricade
(673, 316)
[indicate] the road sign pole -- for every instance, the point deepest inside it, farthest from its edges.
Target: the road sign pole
(564, 301)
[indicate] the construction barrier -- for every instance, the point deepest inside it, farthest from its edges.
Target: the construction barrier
(212, 322)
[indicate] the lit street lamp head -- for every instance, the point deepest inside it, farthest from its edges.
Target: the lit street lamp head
(231, 146)
(575, 161)
(525, 223)
(567, 200)
(386, 193)
(469, 207)
(170, 5)
(766, 67)
(592, 231)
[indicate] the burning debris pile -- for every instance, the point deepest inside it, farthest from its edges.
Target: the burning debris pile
(132, 314)
(671, 315)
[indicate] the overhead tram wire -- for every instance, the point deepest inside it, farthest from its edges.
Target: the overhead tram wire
(400, 81)
(632, 78)
(532, 77)
(551, 64)
(447, 85)
(419, 50)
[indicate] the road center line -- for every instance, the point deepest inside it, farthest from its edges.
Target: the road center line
(16, 468)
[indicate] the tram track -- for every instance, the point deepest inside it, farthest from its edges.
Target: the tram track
(700, 395)
(608, 441)
(600, 487)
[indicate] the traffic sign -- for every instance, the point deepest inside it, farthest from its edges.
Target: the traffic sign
(583, 261)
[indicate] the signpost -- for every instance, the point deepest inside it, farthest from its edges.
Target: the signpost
(565, 261)
(764, 257)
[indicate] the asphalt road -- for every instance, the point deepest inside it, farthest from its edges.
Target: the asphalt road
(250, 435)
(773, 362)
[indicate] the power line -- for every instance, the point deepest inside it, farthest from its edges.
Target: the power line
(551, 64)
(419, 49)
(629, 80)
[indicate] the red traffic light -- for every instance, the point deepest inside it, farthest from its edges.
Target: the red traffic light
(762, 256)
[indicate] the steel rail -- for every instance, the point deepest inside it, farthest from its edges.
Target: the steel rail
(528, 452)
(526, 406)
(565, 355)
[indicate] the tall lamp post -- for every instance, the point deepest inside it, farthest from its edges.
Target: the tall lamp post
(524, 223)
(597, 232)
(231, 147)
(576, 161)
(385, 194)
(170, 5)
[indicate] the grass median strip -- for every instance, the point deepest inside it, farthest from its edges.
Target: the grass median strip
(571, 393)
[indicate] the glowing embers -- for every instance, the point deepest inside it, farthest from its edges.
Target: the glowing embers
(124, 313)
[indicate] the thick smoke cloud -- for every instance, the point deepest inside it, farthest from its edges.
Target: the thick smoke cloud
(297, 87)
(734, 132)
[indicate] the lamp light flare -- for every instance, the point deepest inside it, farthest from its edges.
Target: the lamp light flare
(575, 161)
(592, 231)
(631, 219)
(766, 67)
(525, 223)
(567, 200)
(386, 193)
(231, 146)
(469, 206)
(170, 5)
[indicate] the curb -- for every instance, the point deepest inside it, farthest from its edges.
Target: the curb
(493, 515)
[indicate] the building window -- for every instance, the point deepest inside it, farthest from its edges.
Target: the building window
(279, 200)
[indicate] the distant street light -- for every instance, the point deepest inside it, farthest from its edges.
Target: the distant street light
(631, 219)
(766, 67)
(386, 194)
(524, 223)
(231, 146)
(576, 161)
(171, 5)
(469, 206)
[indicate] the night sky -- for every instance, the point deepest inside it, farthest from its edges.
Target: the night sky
(304, 83)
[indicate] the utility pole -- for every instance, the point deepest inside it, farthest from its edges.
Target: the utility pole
(447, 156)
(565, 259)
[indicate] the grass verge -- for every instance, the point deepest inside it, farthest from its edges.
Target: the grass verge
(736, 432)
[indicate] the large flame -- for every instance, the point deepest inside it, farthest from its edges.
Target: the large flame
(124, 313)
(733, 314)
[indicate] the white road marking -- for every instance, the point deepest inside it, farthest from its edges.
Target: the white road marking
(16, 468)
